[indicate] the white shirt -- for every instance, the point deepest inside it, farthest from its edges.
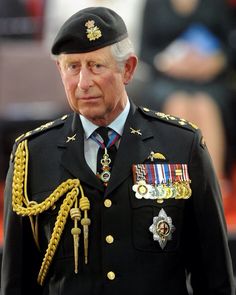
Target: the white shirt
(90, 146)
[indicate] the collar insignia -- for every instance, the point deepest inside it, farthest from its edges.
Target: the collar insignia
(135, 131)
(71, 138)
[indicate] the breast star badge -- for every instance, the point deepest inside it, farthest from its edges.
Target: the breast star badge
(162, 228)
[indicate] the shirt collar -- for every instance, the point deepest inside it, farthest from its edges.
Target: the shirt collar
(117, 125)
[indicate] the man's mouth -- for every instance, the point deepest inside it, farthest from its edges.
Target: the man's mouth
(89, 98)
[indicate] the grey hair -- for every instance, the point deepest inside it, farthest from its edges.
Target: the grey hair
(122, 50)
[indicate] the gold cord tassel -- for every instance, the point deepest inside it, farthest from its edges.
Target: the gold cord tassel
(76, 216)
(69, 189)
(85, 206)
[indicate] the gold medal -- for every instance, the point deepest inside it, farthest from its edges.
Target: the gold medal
(142, 190)
(106, 174)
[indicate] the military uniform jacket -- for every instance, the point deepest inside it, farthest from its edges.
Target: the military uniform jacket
(123, 256)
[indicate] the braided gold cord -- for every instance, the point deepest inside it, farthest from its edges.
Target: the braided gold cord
(19, 193)
(57, 231)
(22, 206)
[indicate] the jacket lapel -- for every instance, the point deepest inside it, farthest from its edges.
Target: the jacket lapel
(133, 148)
(73, 156)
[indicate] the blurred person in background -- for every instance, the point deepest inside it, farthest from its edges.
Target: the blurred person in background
(21, 20)
(185, 42)
(111, 198)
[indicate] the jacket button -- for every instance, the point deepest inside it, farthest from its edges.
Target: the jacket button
(107, 203)
(111, 275)
(109, 239)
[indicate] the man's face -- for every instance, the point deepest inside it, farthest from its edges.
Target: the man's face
(94, 84)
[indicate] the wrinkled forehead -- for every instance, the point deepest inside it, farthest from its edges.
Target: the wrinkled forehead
(99, 55)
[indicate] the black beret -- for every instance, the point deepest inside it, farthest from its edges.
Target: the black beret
(89, 29)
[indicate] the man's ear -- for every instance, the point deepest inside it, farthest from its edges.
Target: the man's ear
(58, 65)
(129, 68)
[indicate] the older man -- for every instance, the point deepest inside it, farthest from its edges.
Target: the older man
(111, 199)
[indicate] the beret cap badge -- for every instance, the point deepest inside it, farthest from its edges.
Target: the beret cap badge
(88, 30)
(93, 32)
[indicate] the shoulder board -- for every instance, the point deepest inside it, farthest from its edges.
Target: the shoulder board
(169, 119)
(42, 128)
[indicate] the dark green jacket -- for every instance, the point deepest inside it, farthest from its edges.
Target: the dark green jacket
(138, 264)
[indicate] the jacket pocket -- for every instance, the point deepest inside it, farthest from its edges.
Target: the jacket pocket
(165, 220)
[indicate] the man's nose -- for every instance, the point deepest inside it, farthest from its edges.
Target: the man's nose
(85, 79)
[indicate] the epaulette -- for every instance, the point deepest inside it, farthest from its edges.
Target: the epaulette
(169, 118)
(41, 128)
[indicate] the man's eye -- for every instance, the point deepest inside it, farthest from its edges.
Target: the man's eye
(73, 67)
(97, 68)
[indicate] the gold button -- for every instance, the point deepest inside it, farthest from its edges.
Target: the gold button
(108, 203)
(111, 275)
(109, 239)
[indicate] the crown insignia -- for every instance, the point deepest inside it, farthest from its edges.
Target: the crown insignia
(93, 32)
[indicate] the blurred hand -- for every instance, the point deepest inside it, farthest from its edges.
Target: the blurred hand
(190, 64)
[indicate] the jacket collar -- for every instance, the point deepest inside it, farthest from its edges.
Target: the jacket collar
(133, 149)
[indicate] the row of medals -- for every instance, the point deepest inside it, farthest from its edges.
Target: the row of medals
(176, 190)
